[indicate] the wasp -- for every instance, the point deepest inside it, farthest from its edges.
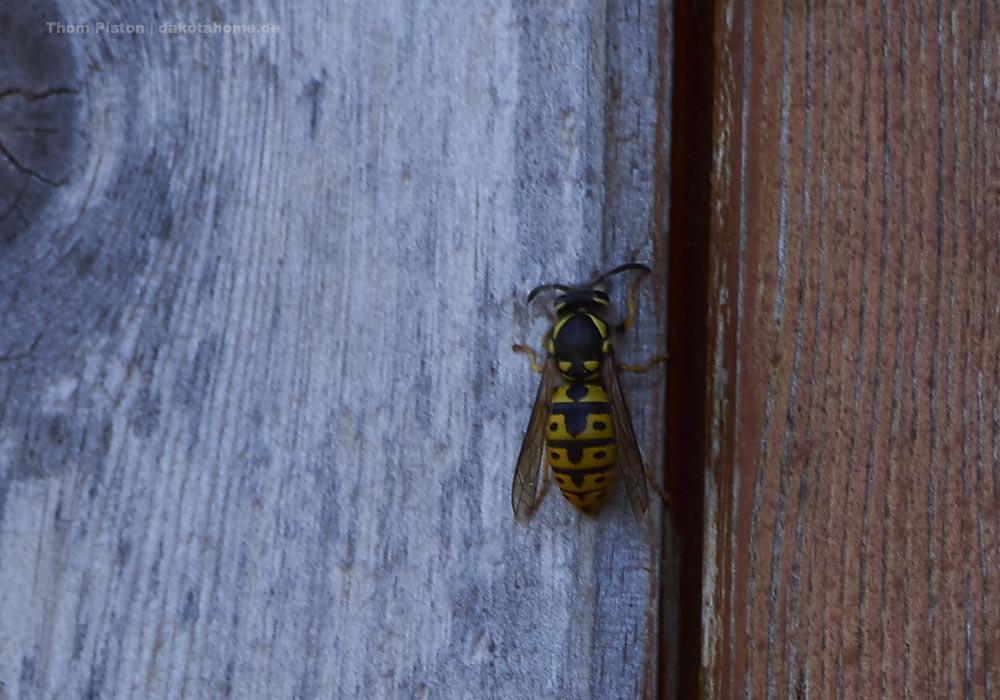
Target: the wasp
(580, 421)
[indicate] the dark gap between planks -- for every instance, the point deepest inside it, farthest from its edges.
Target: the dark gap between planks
(687, 371)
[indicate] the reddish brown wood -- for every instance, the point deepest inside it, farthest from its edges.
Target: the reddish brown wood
(854, 482)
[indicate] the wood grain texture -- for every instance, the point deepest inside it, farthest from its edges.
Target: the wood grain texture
(258, 409)
(854, 490)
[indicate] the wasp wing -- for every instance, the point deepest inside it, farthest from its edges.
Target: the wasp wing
(631, 466)
(524, 490)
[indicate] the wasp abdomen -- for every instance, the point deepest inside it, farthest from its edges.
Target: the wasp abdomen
(580, 442)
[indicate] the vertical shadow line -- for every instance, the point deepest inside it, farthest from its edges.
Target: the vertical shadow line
(686, 427)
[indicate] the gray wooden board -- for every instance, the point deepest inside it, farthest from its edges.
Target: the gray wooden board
(258, 408)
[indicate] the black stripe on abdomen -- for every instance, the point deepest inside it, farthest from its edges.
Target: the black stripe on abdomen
(579, 476)
(573, 451)
(576, 414)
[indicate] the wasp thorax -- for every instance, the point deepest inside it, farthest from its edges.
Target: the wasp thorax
(578, 343)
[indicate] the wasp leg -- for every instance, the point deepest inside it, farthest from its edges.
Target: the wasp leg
(645, 365)
(524, 349)
(535, 367)
(632, 305)
(651, 480)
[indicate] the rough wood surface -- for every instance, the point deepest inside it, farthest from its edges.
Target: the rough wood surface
(258, 409)
(854, 492)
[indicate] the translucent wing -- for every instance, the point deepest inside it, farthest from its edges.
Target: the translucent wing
(631, 466)
(524, 490)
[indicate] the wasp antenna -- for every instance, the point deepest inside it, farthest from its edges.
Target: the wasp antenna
(618, 270)
(544, 288)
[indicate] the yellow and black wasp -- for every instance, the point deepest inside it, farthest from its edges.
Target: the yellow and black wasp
(580, 420)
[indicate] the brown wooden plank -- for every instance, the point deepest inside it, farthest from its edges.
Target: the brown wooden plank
(854, 486)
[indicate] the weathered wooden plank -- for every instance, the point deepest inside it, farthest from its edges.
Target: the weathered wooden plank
(259, 411)
(854, 486)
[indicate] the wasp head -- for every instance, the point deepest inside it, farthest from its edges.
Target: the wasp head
(593, 301)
